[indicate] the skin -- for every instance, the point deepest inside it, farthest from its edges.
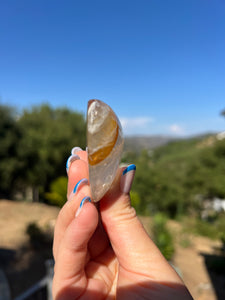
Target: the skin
(104, 252)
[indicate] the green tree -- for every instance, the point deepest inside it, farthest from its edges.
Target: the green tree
(10, 136)
(48, 136)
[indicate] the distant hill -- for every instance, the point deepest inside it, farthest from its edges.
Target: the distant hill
(137, 143)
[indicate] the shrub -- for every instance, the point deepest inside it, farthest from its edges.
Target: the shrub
(135, 201)
(58, 190)
(162, 237)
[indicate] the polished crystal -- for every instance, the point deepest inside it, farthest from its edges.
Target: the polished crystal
(105, 146)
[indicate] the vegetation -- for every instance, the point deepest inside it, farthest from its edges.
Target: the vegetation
(58, 191)
(162, 236)
(174, 180)
(177, 178)
(35, 146)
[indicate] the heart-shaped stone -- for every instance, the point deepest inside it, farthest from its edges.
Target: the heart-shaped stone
(105, 146)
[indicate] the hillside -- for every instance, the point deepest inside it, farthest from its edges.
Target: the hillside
(24, 265)
(173, 178)
(137, 143)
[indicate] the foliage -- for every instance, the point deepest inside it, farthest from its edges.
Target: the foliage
(185, 241)
(135, 201)
(213, 230)
(170, 179)
(222, 238)
(162, 237)
(223, 113)
(48, 136)
(58, 190)
(10, 136)
(35, 146)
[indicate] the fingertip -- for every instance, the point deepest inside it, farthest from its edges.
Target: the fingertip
(77, 171)
(87, 214)
(84, 201)
(127, 178)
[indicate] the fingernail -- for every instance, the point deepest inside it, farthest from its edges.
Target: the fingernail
(79, 184)
(75, 150)
(127, 179)
(83, 201)
(123, 165)
(70, 160)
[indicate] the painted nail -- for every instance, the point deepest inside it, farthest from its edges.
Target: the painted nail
(79, 184)
(123, 165)
(70, 160)
(127, 179)
(75, 150)
(83, 201)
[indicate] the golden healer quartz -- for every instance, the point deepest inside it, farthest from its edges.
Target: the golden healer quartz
(105, 146)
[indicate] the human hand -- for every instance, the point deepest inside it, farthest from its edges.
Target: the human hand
(105, 253)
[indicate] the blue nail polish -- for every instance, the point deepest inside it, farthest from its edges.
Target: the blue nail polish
(129, 168)
(67, 163)
(85, 199)
(79, 183)
(127, 179)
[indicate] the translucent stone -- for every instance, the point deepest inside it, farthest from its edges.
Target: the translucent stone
(105, 146)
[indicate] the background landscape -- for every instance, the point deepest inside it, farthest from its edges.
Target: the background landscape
(178, 192)
(160, 65)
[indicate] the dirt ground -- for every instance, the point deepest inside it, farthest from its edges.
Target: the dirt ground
(24, 265)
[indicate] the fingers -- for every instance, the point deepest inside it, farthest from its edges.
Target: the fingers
(78, 188)
(72, 252)
(77, 168)
(132, 245)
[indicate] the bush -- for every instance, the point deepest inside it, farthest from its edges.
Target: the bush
(162, 237)
(135, 201)
(58, 190)
(212, 228)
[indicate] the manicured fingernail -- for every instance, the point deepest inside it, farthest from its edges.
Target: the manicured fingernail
(75, 150)
(127, 179)
(79, 184)
(83, 201)
(123, 165)
(70, 160)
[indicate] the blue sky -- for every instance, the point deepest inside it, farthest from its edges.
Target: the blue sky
(159, 64)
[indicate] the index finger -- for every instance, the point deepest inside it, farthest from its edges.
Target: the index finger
(73, 174)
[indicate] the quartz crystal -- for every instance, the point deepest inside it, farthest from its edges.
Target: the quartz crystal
(105, 146)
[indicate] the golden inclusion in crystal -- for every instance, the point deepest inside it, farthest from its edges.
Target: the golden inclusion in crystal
(105, 145)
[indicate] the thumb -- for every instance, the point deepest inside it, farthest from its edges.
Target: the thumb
(72, 254)
(133, 247)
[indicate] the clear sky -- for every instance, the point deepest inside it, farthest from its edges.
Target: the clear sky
(159, 64)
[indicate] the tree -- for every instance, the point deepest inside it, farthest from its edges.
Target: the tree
(48, 136)
(223, 113)
(10, 136)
